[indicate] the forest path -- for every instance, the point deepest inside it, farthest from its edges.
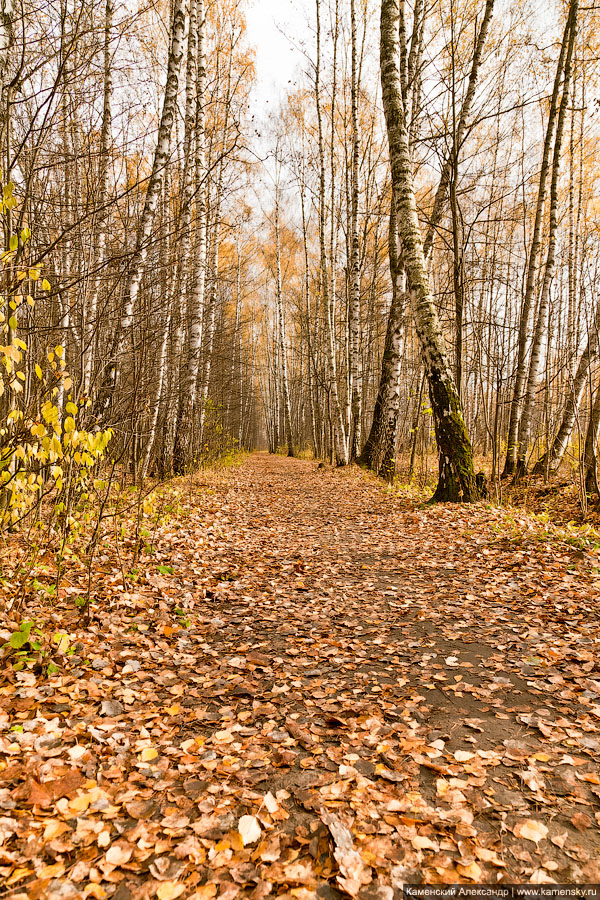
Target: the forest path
(325, 655)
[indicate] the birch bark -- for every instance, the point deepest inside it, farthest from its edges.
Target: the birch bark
(550, 461)
(159, 163)
(354, 299)
(532, 264)
(287, 418)
(541, 327)
(90, 316)
(194, 281)
(456, 473)
(590, 459)
(339, 431)
(377, 445)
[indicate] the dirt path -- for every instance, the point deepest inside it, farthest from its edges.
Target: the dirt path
(389, 694)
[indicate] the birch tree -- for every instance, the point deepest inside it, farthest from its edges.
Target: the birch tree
(540, 331)
(532, 264)
(456, 473)
(159, 163)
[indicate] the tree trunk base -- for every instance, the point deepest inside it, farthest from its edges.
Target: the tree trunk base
(520, 471)
(509, 469)
(457, 484)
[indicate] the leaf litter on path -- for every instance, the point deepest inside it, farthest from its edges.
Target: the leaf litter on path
(325, 692)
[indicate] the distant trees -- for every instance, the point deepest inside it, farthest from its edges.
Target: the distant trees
(495, 139)
(450, 243)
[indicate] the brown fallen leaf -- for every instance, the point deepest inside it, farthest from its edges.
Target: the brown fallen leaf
(353, 872)
(581, 821)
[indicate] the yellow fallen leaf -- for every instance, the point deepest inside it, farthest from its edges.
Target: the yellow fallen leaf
(235, 841)
(119, 854)
(54, 829)
(53, 871)
(148, 753)
(472, 871)
(489, 856)
(169, 890)
(531, 830)
(220, 846)
(17, 875)
(590, 777)
(270, 803)
(464, 755)
(94, 890)
(420, 842)
(206, 892)
(442, 787)
(80, 804)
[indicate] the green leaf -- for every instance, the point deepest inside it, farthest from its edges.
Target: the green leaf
(19, 638)
(52, 669)
(166, 570)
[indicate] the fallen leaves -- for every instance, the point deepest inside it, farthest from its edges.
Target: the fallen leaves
(249, 830)
(148, 754)
(418, 710)
(353, 872)
(531, 831)
(119, 854)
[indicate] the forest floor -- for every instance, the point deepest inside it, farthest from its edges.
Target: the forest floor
(315, 688)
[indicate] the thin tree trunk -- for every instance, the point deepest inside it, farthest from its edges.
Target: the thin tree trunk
(193, 282)
(550, 461)
(590, 461)
(90, 316)
(456, 473)
(354, 300)
(386, 404)
(534, 252)
(159, 163)
(541, 328)
(339, 433)
(287, 419)
(459, 132)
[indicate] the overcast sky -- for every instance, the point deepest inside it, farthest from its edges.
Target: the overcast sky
(273, 26)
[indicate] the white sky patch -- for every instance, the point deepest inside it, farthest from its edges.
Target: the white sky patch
(275, 29)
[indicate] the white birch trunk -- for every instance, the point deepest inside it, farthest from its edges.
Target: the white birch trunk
(339, 432)
(457, 477)
(91, 310)
(441, 193)
(541, 328)
(194, 168)
(354, 299)
(532, 263)
(159, 163)
(287, 418)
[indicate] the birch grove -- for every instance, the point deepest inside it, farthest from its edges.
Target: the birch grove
(417, 294)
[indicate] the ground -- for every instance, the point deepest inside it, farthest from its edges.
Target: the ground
(315, 689)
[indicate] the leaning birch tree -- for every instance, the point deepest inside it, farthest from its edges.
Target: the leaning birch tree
(457, 482)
